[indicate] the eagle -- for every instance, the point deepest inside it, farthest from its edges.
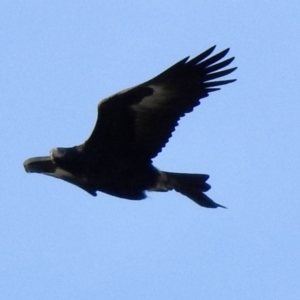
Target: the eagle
(132, 127)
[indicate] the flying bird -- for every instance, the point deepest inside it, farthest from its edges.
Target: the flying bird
(132, 127)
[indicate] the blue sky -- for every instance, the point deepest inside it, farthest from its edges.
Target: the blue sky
(58, 59)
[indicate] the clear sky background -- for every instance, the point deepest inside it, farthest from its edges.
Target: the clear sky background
(58, 59)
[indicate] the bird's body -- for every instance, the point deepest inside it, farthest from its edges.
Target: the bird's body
(132, 128)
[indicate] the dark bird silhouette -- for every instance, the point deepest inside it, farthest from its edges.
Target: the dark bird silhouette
(132, 128)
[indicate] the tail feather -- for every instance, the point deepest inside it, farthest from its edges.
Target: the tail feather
(193, 186)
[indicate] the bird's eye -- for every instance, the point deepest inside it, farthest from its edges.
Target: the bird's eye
(57, 152)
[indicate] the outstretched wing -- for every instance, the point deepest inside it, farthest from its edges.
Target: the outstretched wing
(139, 121)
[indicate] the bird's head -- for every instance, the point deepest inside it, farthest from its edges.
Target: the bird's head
(48, 164)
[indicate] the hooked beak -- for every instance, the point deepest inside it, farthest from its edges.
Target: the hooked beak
(42, 164)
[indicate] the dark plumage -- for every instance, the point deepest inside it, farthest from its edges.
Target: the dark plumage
(132, 128)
